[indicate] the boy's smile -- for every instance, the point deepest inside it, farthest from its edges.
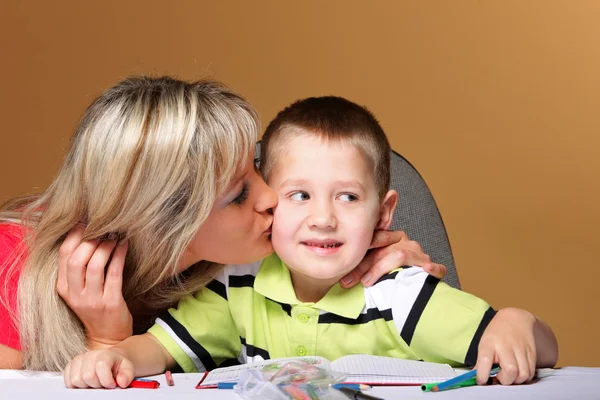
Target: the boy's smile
(323, 247)
(328, 207)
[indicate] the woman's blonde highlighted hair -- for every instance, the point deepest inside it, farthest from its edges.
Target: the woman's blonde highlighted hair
(147, 161)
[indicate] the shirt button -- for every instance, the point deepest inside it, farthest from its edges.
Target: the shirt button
(303, 318)
(301, 351)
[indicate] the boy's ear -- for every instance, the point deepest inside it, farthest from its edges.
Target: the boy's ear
(386, 210)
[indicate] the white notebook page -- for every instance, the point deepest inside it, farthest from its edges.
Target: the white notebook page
(374, 369)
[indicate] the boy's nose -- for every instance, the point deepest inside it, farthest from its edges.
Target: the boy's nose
(322, 217)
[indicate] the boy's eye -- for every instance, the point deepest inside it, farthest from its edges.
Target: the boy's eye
(300, 196)
(347, 197)
(241, 198)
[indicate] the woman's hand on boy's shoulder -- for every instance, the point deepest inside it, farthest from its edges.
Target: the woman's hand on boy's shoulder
(92, 287)
(390, 250)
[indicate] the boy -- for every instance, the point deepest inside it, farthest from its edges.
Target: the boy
(328, 161)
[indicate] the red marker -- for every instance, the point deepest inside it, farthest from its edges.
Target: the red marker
(139, 383)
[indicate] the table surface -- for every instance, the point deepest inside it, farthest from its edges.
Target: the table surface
(565, 383)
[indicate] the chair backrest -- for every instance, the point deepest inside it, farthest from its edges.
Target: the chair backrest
(418, 215)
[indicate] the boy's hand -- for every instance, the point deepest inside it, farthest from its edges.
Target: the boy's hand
(508, 340)
(391, 250)
(99, 369)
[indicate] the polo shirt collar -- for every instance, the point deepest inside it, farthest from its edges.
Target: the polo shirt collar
(273, 281)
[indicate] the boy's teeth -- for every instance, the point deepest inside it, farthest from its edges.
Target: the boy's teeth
(324, 246)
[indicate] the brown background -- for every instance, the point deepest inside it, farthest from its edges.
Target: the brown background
(495, 102)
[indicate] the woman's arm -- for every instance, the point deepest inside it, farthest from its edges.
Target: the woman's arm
(390, 250)
(11, 264)
(10, 358)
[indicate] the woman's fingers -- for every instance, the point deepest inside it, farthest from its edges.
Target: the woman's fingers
(77, 265)
(381, 267)
(94, 277)
(113, 284)
(385, 238)
(357, 273)
(65, 252)
(437, 270)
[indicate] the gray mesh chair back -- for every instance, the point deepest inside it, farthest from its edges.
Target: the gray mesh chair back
(418, 215)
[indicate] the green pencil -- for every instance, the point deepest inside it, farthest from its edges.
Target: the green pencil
(433, 387)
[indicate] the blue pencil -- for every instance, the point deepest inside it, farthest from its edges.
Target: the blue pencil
(461, 378)
(226, 385)
(355, 386)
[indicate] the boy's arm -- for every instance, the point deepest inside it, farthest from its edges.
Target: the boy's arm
(201, 334)
(438, 323)
(136, 356)
(546, 344)
(443, 324)
(519, 342)
(147, 355)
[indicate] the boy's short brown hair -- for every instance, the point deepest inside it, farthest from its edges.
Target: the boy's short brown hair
(334, 119)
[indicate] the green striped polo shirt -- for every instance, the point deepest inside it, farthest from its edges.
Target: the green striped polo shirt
(250, 313)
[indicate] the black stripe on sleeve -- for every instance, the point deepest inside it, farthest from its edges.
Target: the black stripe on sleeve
(218, 287)
(241, 280)
(371, 315)
(471, 357)
(252, 351)
(408, 330)
(186, 338)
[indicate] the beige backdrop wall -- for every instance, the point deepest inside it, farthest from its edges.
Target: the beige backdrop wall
(495, 102)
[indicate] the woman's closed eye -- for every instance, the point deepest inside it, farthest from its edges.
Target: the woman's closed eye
(300, 196)
(242, 197)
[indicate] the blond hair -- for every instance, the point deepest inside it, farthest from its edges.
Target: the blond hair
(147, 161)
(332, 119)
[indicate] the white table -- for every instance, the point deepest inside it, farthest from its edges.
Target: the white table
(566, 383)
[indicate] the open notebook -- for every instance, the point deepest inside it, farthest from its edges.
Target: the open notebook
(360, 368)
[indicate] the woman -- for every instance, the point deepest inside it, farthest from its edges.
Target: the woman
(127, 227)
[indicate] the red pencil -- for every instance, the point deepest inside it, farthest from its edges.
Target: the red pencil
(140, 383)
(169, 378)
